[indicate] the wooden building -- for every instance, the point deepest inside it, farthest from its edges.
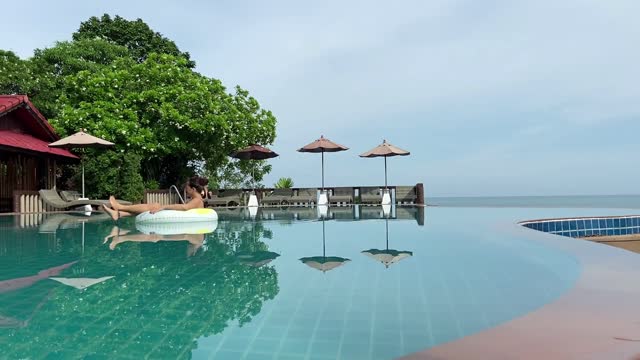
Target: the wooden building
(26, 161)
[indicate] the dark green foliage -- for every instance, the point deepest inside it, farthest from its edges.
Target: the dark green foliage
(112, 173)
(123, 82)
(136, 36)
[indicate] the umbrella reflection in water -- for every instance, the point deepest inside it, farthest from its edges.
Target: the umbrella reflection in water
(324, 263)
(387, 256)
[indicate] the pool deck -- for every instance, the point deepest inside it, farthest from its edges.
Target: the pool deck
(599, 318)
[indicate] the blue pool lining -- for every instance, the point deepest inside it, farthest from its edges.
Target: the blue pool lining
(587, 226)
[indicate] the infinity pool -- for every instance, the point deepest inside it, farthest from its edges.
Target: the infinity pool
(285, 284)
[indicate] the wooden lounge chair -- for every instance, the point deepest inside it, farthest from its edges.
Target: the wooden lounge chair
(53, 199)
(305, 197)
(405, 195)
(70, 195)
(278, 197)
(371, 195)
(226, 197)
(341, 195)
(343, 213)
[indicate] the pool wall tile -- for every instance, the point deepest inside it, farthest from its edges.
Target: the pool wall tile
(588, 226)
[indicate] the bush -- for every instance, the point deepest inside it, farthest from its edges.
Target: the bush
(284, 183)
(112, 173)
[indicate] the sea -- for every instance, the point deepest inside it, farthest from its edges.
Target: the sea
(574, 201)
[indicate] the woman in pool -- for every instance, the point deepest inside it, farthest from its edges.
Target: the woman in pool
(193, 188)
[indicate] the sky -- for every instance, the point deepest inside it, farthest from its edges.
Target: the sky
(492, 97)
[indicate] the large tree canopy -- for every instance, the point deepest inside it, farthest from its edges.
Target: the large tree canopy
(124, 82)
(136, 36)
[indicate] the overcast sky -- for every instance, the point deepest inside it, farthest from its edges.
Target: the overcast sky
(491, 97)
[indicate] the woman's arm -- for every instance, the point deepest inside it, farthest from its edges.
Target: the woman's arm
(192, 204)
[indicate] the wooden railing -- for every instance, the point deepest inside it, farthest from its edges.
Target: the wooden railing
(25, 202)
(403, 195)
(162, 196)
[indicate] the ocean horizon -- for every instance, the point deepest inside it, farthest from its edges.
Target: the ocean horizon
(553, 201)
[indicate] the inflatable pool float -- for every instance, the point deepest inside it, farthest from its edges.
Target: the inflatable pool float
(173, 222)
(180, 228)
(176, 216)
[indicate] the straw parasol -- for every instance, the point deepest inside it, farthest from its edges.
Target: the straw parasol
(387, 256)
(322, 146)
(324, 263)
(257, 259)
(81, 283)
(254, 152)
(385, 150)
(81, 140)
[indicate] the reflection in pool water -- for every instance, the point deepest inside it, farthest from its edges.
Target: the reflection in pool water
(242, 291)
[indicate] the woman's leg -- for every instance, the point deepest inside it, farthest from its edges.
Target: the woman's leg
(115, 214)
(134, 209)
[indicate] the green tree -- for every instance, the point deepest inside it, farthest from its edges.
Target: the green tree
(112, 173)
(284, 183)
(163, 111)
(136, 36)
(50, 67)
(16, 74)
(124, 82)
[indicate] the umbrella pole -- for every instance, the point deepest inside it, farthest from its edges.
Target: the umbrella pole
(322, 170)
(323, 245)
(386, 224)
(82, 162)
(385, 172)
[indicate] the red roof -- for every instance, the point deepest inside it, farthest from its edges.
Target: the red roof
(41, 132)
(28, 142)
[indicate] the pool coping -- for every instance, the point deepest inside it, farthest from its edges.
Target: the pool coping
(598, 318)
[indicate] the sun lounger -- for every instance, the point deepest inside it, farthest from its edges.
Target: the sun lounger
(305, 197)
(74, 195)
(343, 213)
(370, 195)
(226, 197)
(53, 199)
(278, 197)
(342, 195)
(405, 195)
(371, 212)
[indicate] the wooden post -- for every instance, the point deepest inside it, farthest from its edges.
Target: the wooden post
(420, 194)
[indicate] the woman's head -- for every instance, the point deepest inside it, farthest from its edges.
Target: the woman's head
(196, 184)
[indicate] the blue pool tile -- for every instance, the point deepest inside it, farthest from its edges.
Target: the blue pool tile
(545, 226)
(592, 224)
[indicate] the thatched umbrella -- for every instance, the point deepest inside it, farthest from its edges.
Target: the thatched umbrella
(387, 256)
(385, 150)
(81, 140)
(322, 146)
(81, 283)
(257, 259)
(254, 152)
(324, 263)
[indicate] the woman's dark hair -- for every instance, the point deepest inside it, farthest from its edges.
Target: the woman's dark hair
(198, 183)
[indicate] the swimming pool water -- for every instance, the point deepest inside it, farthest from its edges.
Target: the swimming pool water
(242, 291)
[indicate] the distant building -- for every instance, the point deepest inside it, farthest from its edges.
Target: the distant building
(26, 161)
